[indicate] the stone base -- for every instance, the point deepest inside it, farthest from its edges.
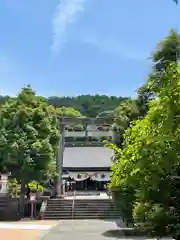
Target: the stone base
(4, 195)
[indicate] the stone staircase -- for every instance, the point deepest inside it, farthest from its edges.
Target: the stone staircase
(58, 209)
(83, 209)
(94, 209)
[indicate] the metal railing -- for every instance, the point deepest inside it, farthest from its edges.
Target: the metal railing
(73, 203)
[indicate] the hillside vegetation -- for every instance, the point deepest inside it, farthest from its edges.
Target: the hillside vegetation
(87, 105)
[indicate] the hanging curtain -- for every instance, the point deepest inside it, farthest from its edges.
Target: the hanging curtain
(101, 177)
(78, 176)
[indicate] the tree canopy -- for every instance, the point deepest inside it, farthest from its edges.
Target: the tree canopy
(68, 112)
(87, 105)
(149, 158)
(28, 137)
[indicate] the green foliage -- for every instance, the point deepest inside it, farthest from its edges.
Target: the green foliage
(87, 105)
(127, 112)
(150, 157)
(68, 112)
(34, 185)
(13, 188)
(144, 189)
(28, 136)
(167, 51)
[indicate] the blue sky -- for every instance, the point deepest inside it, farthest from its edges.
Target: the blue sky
(71, 47)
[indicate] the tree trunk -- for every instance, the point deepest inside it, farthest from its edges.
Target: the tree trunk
(21, 200)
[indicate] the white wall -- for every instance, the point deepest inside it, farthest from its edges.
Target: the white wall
(90, 134)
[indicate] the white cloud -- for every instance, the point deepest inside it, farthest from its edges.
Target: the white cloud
(115, 47)
(65, 14)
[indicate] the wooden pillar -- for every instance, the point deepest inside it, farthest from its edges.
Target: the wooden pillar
(60, 161)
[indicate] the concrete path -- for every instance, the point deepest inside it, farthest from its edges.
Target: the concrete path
(87, 230)
(80, 229)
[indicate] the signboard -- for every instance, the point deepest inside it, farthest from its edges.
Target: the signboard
(33, 198)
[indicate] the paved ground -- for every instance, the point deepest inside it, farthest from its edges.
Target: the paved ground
(64, 230)
(87, 230)
(24, 230)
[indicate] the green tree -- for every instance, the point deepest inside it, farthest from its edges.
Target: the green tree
(150, 158)
(28, 137)
(168, 50)
(88, 105)
(127, 112)
(68, 112)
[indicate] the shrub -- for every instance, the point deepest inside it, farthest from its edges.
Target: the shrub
(13, 188)
(33, 186)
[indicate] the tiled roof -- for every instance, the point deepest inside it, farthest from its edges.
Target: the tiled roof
(87, 157)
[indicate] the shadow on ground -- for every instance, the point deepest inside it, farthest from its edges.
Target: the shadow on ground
(121, 233)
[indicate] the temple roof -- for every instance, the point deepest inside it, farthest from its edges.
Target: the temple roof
(84, 157)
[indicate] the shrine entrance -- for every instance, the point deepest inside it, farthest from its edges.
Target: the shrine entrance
(90, 185)
(87, 163)
(84, 182)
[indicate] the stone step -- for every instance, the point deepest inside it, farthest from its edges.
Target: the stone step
(93, 217)
(94, 214)
(59, 206)
(93, 202)
(58, 211)
(83, 209)
(95, 209)
(56, 205)
(80, 201)
(59, 215)
(90, 205)
(56, 217)
(93, 205)
(62, 210)
(60, 201)
(80, 213)
(80, 217)
(80, 206)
